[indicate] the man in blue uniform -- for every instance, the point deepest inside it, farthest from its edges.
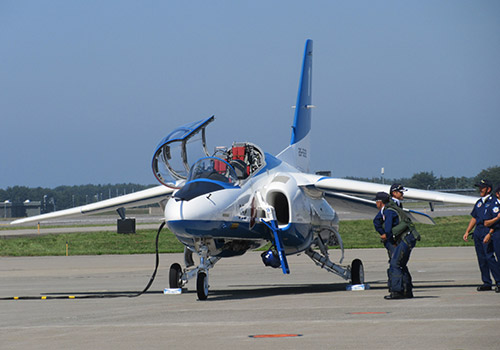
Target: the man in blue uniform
(403, 232)
(381, 200)
(484, 251)
(397, 192)
(492, 221)
(400, 238)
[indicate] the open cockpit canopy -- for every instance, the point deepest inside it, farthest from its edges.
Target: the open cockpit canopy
(171, 160)
(186, 147)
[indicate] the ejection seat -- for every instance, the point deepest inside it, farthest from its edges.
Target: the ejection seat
(240, 167)
(238, 162)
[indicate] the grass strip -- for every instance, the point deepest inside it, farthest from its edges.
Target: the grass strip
(447, 232)
(93, 243)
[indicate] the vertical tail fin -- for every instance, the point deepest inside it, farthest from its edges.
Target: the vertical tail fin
(298, 152)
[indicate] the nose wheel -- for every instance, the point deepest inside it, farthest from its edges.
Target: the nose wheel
(175, 276)
(202, 285)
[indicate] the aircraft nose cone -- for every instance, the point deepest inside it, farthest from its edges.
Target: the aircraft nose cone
(173, 210)
(214, 206)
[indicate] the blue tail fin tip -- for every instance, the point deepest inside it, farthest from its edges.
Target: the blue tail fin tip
(298, 152)
(302, 121)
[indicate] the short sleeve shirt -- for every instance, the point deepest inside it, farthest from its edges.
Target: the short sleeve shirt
(479, 211)
(492, 212)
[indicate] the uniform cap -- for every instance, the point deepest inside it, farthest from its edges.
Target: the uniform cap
(397, 187)
(484, 183)
(382, 196)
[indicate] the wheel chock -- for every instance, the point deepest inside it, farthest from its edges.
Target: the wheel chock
(358, 286)
(172, 291)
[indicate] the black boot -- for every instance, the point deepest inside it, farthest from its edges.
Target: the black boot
(394, 295)
(408, 291)
(408, 294)
(483, 288)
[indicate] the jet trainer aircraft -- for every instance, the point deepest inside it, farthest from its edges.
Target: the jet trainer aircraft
(239, 198)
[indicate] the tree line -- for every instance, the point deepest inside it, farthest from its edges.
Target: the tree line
(63, 197)
(428, 181)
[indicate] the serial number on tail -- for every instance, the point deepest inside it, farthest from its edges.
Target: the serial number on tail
(302, 152)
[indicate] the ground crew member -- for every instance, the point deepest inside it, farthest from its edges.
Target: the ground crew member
(396, 192)
(484, 251)
(492, 220)
(381, 199)
(399, 226)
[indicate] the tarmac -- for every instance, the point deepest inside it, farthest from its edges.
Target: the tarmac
(250, 306)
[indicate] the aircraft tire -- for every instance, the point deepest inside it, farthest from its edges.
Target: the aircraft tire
(202, 285)
(357, 272)
(174, 276)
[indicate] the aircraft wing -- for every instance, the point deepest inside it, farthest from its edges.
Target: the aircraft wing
(353, 187)
(344, 194)
(144, 197)
(353, 204)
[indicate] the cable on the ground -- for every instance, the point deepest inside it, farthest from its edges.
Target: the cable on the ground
(101, 296)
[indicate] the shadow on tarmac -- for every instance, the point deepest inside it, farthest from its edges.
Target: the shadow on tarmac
(264, 291)
(242, 292)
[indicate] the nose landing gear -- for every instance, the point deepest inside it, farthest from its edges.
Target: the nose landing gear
(179, 278)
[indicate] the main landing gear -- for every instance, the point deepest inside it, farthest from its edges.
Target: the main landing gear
(179, 278)
(353, 273)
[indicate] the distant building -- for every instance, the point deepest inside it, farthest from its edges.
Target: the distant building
(19, 209)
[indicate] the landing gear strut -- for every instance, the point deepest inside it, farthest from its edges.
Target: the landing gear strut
(353, 273)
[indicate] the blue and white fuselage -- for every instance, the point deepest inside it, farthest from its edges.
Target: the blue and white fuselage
(226, 215)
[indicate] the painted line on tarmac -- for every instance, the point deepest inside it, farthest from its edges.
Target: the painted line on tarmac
(275, 335)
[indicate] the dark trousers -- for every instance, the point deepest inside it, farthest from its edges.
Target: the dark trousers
(486, 257)
(495, 240)
(399, 275)
(390, 250)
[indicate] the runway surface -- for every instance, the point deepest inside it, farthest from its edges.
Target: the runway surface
(246, 299)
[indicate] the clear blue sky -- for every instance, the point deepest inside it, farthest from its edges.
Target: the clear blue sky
(88, 88)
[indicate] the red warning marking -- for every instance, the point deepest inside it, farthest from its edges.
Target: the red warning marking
(274, 335)
(368, 313)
